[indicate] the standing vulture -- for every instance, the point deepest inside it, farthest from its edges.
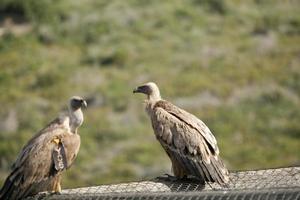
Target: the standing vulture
(188, 142)
(42, 160)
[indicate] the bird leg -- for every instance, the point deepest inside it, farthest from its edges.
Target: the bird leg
(56, 186)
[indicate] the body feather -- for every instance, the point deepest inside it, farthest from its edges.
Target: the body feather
(34, 169)
(189, 143)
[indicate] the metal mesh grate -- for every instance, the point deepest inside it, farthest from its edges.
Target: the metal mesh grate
(282, 183)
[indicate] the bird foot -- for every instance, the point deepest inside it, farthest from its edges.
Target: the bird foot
(185, 178)
(189, 179)
(55, 192)
(170, 178)
(44, 194)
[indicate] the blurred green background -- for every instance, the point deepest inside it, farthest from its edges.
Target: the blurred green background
(234, 64)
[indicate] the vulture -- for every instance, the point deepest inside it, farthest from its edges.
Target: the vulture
(39, 165)
(189, 143)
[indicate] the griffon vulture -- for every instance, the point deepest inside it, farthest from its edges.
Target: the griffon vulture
(42, 160)
(188, 142)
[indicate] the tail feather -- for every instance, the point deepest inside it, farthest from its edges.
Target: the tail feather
(199, 172)
(210, 170)
(217, 176)
(194, 167)
(25, 192)
(213, 171)
(184, 162)
(11, 188)
(206, 170)
(6, 190)
(196, 171)
(222, 172)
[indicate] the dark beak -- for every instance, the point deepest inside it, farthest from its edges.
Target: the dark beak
(136, 90)
(84, 104)
(141, 89)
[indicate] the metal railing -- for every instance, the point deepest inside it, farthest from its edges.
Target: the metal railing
(280, 183)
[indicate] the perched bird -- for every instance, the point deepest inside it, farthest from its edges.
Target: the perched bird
(42, 160)
(189, 143)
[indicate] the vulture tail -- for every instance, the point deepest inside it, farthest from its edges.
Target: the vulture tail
(206, 170)
(11, 188)
(190, 165)
(221, 172)
(213, 171)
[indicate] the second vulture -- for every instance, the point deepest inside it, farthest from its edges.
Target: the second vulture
(42, 160)
(188, 142)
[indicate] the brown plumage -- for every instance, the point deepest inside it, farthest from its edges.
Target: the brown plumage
(188, 142)
(40, 163)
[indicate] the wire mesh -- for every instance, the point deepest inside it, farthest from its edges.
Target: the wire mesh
(281, 183)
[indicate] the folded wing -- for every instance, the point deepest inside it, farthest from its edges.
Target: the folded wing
(188, 142)
(39, 162)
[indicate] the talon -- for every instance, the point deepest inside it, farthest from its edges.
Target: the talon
(55, 193)
(184, 178)
(171, 178)
(168, 175)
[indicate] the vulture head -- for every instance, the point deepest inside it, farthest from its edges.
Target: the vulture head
(75, 113)
(150, 89)
(77, 102)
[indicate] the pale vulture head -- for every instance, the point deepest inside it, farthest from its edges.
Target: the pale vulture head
(150, 89)
(75, 113)
(77, 102)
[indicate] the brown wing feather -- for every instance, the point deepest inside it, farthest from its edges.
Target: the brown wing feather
(191, 121)
(189, 143)
(72, 145)
(33, 170)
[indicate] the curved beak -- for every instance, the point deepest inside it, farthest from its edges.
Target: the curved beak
(141, 89)
(136, 90)
(84, 104)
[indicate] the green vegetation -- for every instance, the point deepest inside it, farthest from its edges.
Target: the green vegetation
(235, 64)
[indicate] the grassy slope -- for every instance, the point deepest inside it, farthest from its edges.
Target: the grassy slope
(236, 67)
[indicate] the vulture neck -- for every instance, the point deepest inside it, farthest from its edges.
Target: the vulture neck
(154, 97)
(76, 119)
(151, 100)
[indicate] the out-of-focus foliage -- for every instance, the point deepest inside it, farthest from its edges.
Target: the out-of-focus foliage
(44, 11)
(234, 64)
